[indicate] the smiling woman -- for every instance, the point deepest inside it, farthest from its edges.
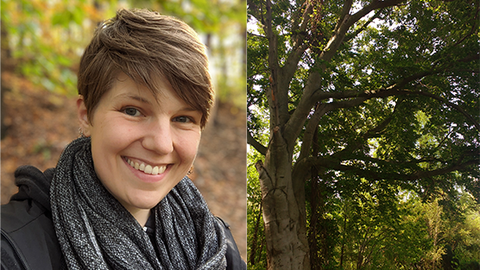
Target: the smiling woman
(131, 126)
(119, 197)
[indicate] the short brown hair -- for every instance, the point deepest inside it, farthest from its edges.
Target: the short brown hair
(146, 45)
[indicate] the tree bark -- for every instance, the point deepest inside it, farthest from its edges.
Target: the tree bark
(285, 232)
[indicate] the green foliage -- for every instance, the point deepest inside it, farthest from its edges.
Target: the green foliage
(462, 233)
(397, 173)
(46, 38)
(256, 98)
(256, 248)
(222, 23)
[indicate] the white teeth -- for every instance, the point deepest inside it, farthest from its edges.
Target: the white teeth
(148, 169)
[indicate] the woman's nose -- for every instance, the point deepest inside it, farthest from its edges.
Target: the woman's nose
(159, 138)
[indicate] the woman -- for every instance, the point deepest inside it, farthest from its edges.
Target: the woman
(119, 197)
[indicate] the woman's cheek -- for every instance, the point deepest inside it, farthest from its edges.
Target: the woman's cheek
(190, 142)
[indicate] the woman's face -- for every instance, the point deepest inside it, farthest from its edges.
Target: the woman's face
(142, 146)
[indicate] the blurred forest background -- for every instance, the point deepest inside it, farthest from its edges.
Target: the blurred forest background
(42, 42)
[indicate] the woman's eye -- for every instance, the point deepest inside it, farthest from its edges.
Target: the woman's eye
(182, 119)
(132, 111)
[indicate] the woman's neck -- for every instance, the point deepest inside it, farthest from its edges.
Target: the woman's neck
(141, 215)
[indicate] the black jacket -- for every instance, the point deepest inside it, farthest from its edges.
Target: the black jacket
(28, 235)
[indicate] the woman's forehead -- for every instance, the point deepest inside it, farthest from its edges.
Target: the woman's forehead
(126, 88)
(155, 88)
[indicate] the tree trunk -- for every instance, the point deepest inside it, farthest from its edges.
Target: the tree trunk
(285, 232)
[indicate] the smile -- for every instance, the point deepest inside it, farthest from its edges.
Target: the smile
(146, 168)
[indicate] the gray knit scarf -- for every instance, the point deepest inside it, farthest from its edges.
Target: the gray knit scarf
(96, 232)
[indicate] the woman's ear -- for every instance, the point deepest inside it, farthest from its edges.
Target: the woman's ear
(83, 117)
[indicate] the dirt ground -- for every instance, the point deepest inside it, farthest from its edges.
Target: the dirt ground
(40, 124)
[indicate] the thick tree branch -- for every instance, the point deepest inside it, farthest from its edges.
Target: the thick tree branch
(255, 11)
(347, 5)
(398, 89)
(278, 96)
(389, 163)
(397, 92)
(299, 29)
(308, 135)
(301, 171)
(470, 58)
(346, 103)
(297, 119)
(255, 35)
(393, 90)
(335, 164)
(356, 144)
(313, 84)
(272, 38)
(454, 167)
(346, 20)
(300, 168)
(287, 71)
(364, 26)
(375, 4)
(381, 92)
(255, 144)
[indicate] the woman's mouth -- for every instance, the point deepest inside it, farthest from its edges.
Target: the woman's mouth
(146, 168)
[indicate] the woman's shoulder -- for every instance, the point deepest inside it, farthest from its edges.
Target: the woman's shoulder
(234, 260)
(31, 204)
(28, 235)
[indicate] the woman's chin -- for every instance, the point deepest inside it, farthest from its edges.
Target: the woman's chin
(146, 204)
(140, 202)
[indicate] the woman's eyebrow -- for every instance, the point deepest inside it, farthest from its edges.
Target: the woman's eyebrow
(139, 98)
(189, 109)
(135, 97)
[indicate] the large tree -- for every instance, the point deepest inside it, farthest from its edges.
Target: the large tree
(379, 91)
